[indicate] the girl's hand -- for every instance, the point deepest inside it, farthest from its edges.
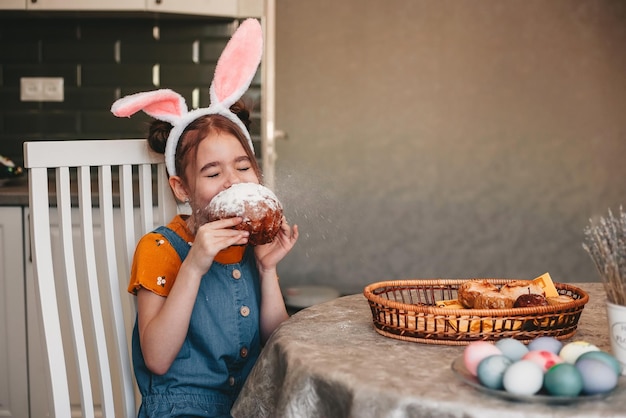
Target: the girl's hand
(268, 255)
(213, 237)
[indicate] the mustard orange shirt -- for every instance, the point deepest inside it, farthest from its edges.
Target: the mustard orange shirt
(156, 262)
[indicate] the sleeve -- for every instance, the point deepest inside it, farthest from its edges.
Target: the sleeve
(155, 265)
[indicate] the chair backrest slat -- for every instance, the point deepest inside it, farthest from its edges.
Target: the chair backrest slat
(127, 212)
(107, 220)
(66, 239)
(41, 244)
(145, 196)
(82, 253)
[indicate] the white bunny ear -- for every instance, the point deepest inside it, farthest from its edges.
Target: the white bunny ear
(234, 72)
(237, 65)
(164, 104)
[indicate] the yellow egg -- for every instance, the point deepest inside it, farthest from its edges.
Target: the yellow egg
(571, 351)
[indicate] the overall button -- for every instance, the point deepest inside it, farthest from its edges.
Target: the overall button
(244, 311)
(236, 274)
(231, 381)
(243, 352)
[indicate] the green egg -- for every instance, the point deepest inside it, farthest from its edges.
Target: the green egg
(604, 357)
(563, 379)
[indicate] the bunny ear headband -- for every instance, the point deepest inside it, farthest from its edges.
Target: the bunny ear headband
(233, 74)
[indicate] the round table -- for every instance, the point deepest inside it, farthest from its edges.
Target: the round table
(328, 361)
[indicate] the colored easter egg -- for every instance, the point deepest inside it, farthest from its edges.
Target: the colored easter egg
(598, 376)
(475, 352)
(512, 348)
(545, 343)
(544, 359)
(523, 377)
(490, 371)
(605, 357)
(571, 351)
(563, 379)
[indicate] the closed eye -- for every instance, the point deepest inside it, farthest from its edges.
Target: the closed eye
(243, 163)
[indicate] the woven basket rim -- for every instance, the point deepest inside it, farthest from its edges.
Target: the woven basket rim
(433, 310)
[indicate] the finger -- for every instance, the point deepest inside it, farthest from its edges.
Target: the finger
(220, 240)
(291, 232)
(225, 223)
(285, 225)
(239, 239)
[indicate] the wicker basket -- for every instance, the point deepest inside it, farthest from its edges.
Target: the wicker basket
(406, 310)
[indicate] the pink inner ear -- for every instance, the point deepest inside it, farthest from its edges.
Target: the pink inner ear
(239, 61)
(170, 106)
(162, 104)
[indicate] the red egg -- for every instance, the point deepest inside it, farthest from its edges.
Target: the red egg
(477, 351)
(543, 358)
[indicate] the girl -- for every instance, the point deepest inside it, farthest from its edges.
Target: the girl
(206, 302)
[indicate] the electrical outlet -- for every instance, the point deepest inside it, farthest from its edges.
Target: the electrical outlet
(41, 89)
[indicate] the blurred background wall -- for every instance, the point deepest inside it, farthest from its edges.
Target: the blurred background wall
(426, 139)
(448, 139)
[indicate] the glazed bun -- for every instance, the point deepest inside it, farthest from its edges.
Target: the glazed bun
(516, 288)
(493, 300)
(470, 290)
(556, 300)
(259, 207)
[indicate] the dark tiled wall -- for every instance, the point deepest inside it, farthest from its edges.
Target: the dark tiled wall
(102, 59)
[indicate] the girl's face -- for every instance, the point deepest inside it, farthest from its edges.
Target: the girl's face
(221, 161)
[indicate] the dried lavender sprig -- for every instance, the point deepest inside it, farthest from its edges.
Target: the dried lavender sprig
(605, 251)
(606, 244)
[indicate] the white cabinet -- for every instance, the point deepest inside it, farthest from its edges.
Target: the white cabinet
(233, 8)
(84, 5)
(13, 359)
(218, 8)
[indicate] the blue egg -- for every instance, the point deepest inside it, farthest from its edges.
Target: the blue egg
(604, 357)
(598, 376)
(545, 344)
(491, 370)
(512, 348)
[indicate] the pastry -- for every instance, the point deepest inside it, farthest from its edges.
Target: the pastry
(556, 300)
(516, 288)
(493, 300)
(259, 207)
(469, 290)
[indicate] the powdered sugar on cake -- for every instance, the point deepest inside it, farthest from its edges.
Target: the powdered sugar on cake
(257, 205)
(238, 197)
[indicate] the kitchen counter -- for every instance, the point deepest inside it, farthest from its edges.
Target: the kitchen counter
(14, 192)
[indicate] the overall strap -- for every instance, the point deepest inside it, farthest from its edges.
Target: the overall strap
(180, 245)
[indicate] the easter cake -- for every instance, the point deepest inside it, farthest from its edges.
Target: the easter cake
(259, 207)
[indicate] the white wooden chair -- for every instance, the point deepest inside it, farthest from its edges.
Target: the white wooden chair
(82, 246)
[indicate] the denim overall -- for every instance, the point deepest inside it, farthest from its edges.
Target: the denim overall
(221, 346)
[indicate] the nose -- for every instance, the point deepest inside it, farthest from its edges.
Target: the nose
(232, 177)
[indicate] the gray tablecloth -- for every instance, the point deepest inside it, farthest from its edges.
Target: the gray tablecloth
(328, 361)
